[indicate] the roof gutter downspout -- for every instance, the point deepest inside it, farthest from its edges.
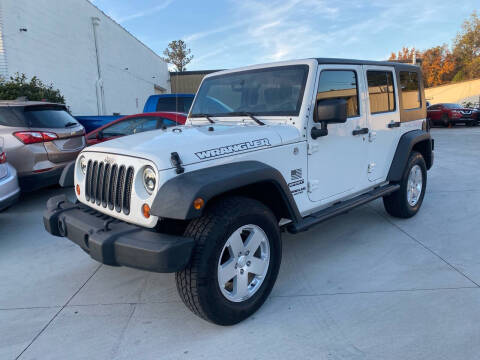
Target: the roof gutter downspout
(99, 83)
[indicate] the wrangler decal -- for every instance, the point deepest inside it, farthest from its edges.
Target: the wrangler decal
(229, 149)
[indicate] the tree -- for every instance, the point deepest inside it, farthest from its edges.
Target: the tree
(438, 65)
(466, 49)
(35, 90)
(405, 54)
(177, 54)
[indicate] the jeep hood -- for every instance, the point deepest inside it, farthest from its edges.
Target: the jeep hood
(198, 143)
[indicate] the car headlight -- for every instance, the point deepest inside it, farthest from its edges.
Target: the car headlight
(149, 179)
(83, 165)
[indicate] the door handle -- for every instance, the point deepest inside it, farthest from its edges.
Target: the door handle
(360, 131)
(394, 124)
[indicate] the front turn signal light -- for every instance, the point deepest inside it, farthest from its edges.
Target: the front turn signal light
(78, 189)
(146, 211)
(198, 203)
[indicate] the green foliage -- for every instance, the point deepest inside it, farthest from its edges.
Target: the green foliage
(177, 54)
(459, 76)
(34, 90)
(466, 47)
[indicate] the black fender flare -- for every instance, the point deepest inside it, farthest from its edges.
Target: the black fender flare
(174, 199)
(66, 178)
(404, 148)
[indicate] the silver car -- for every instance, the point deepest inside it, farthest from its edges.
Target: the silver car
(9, 189)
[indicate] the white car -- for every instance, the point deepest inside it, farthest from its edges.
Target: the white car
(9, 189)
(280, 146)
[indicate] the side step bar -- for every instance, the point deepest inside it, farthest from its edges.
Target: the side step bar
(340, 208)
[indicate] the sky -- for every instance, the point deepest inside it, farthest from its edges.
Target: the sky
(226, 34)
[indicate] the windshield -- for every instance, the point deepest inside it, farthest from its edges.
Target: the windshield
(268, 91)
(452, 106)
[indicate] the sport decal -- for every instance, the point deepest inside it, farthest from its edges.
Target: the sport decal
(230, 149)
(296, 174)
(297, 185)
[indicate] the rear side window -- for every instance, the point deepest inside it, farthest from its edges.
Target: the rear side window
(167, 122)
(340, 84)
(381, 91)
(176, 104)
(12, 117)
(48, 117)
(131, 126)
(411, 98)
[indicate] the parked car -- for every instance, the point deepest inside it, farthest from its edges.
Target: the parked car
(451, 114)
(275, 147)
(169, 102)
(93, 122)
(9, 188)
(40, 139)
(134, 124)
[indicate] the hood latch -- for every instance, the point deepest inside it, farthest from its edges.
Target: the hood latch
(177, 163)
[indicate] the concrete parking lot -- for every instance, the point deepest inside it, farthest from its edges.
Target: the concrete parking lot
(361, 286)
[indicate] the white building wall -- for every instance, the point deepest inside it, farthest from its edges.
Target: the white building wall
(58, 47)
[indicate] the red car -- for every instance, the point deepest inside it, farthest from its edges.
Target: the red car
(133, 124)
(451, 114)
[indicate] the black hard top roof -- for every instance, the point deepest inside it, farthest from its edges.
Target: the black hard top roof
(366, 62)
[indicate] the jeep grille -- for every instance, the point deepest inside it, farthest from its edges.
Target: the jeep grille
(109, 185)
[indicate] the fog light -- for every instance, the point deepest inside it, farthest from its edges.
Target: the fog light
(78, 189)
(146, 210)
(198, 203)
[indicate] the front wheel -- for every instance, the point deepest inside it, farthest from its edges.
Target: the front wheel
(235, 261)
(405, 202)
(445, 120)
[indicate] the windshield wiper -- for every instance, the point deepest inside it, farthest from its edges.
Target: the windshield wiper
(246, 113)
(71, 123)
(207, 116)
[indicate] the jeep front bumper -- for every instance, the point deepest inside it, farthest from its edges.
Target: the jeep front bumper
(114, 242)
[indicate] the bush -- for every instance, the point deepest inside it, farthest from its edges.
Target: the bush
(33, 90)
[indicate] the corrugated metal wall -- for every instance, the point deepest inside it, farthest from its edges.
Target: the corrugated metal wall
(3, 55)
(187, 82)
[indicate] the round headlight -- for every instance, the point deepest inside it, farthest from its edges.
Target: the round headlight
(149, 179)
(83, 165)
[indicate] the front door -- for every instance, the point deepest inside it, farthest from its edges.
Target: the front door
(337, 162)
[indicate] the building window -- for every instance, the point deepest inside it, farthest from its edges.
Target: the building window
(340, 84)
(411, 98)
(381, 91)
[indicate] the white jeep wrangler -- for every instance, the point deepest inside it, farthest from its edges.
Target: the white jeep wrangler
(280, 146)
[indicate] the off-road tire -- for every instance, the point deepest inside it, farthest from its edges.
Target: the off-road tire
(396, 204)
(445, 120)
(197, 284)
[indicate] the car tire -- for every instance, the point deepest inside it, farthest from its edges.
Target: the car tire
(215, 233)
(405, 202)
(445, 120)
(472, 123)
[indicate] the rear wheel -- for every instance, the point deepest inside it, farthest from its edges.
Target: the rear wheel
(235, 261)
(405, 202)
(445, 120)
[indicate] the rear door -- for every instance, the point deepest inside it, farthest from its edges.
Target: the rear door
(56, 120)
(383, 119)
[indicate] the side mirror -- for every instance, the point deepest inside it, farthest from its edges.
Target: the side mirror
(329, 111)
(332, 111)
